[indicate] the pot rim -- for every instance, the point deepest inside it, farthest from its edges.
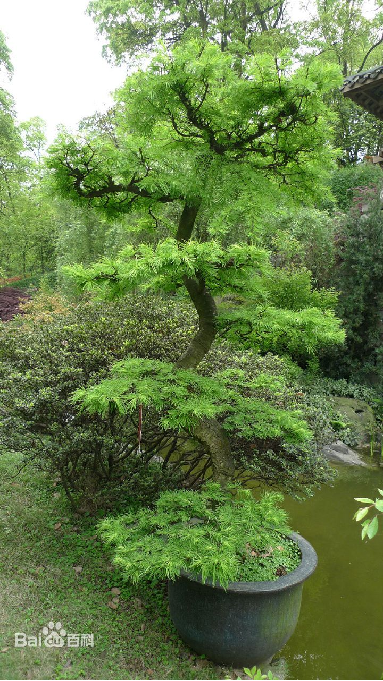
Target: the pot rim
(306, 567)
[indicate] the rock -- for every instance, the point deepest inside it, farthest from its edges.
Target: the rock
(116, 591)
(340, 453)
(278, 668)
(358, 413)
(156, 459)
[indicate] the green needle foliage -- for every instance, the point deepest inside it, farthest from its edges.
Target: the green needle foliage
(222, 535)
(183, 397)
(164, 266)
(300, 334)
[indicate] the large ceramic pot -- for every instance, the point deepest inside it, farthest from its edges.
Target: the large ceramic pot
(246, 624)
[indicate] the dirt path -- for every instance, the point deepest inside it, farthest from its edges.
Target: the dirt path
(9, 302)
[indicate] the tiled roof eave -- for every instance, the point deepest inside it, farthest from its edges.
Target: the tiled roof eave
(363, 79)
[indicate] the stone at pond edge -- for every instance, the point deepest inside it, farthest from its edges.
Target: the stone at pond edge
(340, 453)
(358, 413)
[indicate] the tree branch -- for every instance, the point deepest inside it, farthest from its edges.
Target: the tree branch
(369, 52)
(110, 187)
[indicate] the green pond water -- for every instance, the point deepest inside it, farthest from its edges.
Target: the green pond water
(340, 629)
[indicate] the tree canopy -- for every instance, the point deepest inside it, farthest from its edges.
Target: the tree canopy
(338, 32)
(192, 128)
(131, 26)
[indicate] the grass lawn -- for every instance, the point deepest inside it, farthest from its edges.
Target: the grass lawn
(54, 568)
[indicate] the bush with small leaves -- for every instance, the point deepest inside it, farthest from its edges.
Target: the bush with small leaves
(57, 348)
(358, 277)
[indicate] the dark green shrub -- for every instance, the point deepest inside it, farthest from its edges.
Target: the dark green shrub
(359, 279)
(44, 361)
(303, 238)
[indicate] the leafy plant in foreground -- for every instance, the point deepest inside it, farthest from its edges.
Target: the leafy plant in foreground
(255, 673)
(370, 526)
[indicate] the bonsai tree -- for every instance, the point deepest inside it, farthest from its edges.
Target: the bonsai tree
(211, 541)
(222, 535)
(202, 143)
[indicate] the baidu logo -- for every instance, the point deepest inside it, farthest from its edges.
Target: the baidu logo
(54, 636)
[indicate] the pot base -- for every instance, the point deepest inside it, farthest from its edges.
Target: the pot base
(246, 624)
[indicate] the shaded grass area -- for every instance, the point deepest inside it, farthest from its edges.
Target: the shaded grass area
(54, 568)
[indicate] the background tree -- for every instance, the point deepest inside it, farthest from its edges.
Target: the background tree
(27, 222)
(358, 277)
(134, 27)
(28, 234)
(33, 133)
(5, 56)
(11, 165)
(344, 33)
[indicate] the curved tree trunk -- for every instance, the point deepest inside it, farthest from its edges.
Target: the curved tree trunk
(206, 308)
(208, 431)
(211, 434)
